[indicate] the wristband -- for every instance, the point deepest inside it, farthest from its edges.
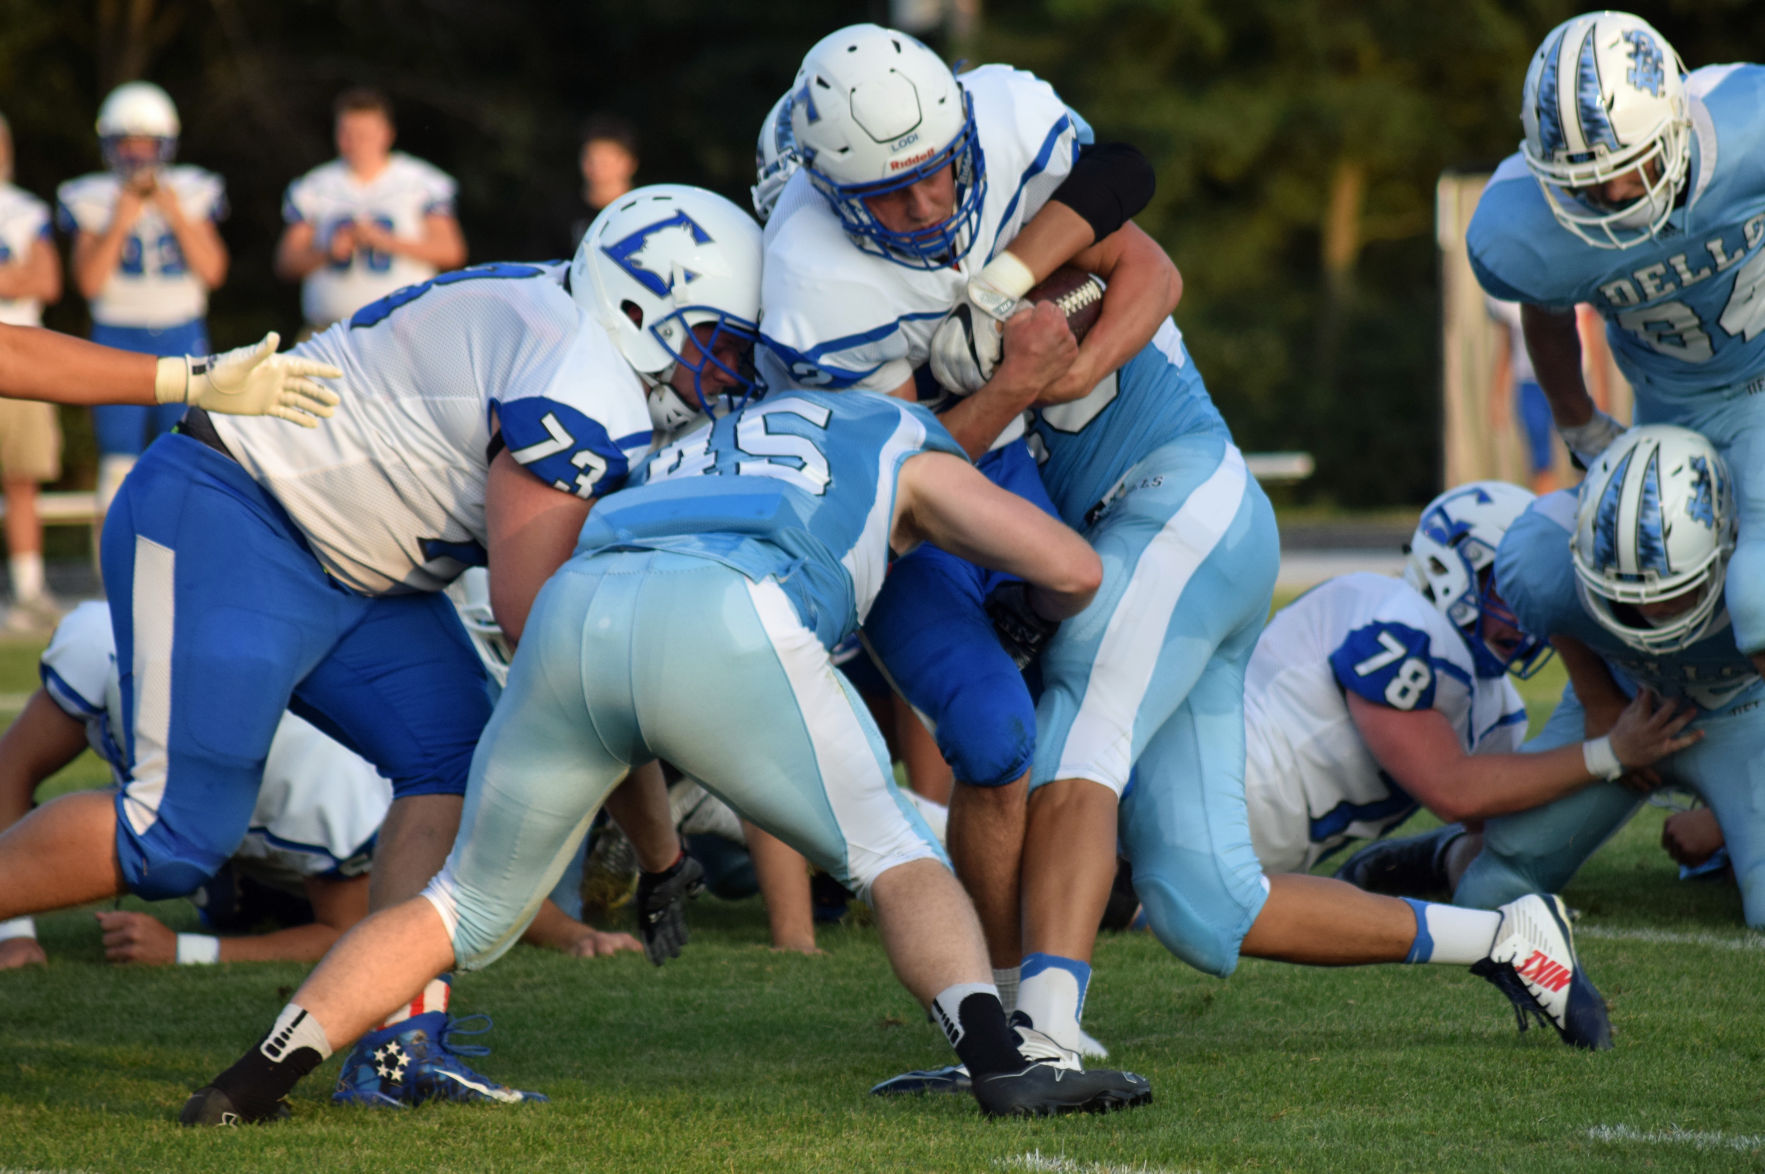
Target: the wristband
(1000, 283)
(171, 380)
(198, 949)
(1599, 758)
(18, 927)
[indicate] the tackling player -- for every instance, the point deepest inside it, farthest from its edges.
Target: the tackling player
(1628, 580)
(748, 522)
(1369, 696)
(488, 409)
(369, 222)
(145, 256)
(1637, 189)
(912, 185)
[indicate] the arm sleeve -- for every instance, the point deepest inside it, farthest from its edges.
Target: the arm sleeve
(1109, 185)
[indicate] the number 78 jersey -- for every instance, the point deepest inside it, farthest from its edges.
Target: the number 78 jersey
(1685, 312)
(1310, 780)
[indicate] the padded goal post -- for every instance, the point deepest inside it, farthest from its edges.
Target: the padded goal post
(1480, 437)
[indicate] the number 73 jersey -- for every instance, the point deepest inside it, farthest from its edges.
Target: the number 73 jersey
(1310, 780)
(1685, 312)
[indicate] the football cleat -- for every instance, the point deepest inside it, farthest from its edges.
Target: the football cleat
(609, 875)
(1054, 1082)
(1533, 963)
(950, 1078)
(210, 1106)
(1407, 867)
(416, 1060)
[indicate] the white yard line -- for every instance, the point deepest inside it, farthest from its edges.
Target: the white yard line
(1673, 1135)
(1662, 937)
(1039, 1163)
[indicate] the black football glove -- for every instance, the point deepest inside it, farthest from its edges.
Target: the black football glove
(661, 907)
(1022, 632)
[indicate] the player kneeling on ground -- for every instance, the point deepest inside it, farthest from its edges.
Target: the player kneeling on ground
(785, 560)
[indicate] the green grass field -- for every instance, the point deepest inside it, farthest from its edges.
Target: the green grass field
(734, 1058)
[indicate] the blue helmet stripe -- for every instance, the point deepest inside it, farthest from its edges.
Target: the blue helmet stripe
(1590, 110)
(1651, 542)
(1550, 122)
(1605, 518)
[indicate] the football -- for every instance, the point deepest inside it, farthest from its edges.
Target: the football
(1079, 295)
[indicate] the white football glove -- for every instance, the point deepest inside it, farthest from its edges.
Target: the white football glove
(1587, 441)
(250, 381)
(966, 346)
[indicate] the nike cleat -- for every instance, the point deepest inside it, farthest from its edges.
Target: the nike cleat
(1408, 867)
(416, 1060)
(951, 1078)
(1533, 962)
(1055, 1082)
(210, 1106)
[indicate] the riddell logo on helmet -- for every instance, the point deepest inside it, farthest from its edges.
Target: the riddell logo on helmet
(910, 161)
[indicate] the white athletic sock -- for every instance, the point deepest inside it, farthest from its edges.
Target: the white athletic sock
(1450, 935)
(26, 570)
(294, 1029)
(434, 997)
(1052, 994)
(111, 471)
(1006, 981)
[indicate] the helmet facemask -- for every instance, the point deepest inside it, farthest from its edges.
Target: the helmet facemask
(713, 400)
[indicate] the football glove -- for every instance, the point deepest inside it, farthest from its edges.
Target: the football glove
(1022, 632)
(661, 907)
(965, 350)
(250, 381)
(1587, 441)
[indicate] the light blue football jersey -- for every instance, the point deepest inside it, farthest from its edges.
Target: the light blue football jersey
(1535, 574)
(1085, 447)
(800, 487)
(1685, 312)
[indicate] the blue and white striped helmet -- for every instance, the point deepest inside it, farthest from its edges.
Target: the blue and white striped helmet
(1605, 96)
(775, 157)
(1655, 521)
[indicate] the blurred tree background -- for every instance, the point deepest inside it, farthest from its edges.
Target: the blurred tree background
(1297, 143)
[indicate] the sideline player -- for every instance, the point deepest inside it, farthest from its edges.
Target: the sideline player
(1644, 200)
(304, 859)
(146, 255)
(1628, 580)
(488, 409)
(749, 522)
(370, 221)
(911, 186)
(30, 434)
(1369, 696)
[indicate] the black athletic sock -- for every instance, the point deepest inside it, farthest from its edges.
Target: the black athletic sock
(260, 1078)
(974, 1021)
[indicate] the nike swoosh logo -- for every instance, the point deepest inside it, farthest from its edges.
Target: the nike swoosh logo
(507, 1096)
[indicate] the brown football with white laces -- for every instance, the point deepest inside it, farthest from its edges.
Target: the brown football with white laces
(1078, 294)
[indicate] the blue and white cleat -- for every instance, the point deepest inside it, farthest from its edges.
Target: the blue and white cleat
(1533, 962)
(415, 1060)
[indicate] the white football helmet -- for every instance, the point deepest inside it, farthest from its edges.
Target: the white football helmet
(1452, 560)
(137, 110)
(874, 111)
(1604, 96)
(658, 262)
(775, 157)
(1655, 521)
(470, 595)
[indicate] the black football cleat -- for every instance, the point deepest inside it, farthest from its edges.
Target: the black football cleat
(1410, 866)
(1055, 1082)
(210, 1106)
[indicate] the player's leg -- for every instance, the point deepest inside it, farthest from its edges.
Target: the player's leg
(1737, 429)
(1727, 769)
(1538, 851)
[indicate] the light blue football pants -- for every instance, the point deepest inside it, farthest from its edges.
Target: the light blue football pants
(1149, 680)
(1540, 850)
(635, 655)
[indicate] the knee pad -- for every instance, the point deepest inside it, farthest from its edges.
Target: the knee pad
(1202, 938)
(987, 732)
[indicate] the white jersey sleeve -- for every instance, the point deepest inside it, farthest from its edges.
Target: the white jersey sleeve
(399, 199)
(24, 220)
(78, 671)
(835, 317)
(390, 492)
(152, 285)
(1311, 783)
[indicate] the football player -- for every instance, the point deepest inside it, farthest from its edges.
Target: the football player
(1627, 579)
(919, 193)
(1637, 189)
(146, 255)
(748, 522)
(1369, 696)
(304, 860)
(371, 221)
(269, 567)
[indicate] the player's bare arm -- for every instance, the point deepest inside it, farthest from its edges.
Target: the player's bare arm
(1421, 751)
(532, 529)
(96, 255)
(1144, 287)
(200, 241)
(35, 276)
(298, 253)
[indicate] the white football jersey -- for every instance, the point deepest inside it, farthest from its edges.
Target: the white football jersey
(835, 317)
(1309, 780)
(320, 805)
(24, 220)
(397, 199)
(389, 492)
(151, 286)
